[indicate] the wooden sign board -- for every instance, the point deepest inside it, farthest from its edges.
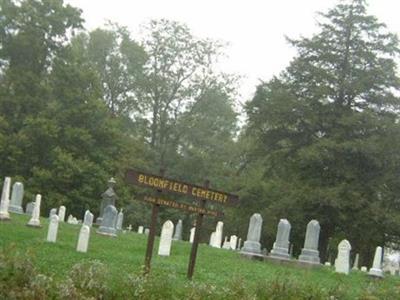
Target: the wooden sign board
(179, 187)
(182, 206)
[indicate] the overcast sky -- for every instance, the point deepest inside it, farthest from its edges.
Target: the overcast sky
(255, 29)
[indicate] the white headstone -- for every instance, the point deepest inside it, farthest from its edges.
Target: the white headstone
(310, 253)
(167, 231)
(364, 269)
(355, 265)
(83, 240)
(29, 208)
(328, 264)
(61, 213)
(218, 235)
(226, 245)
(120, 219)
(53, 212)
(280, 249)
(239, 246)
(140, 230)
(88, 218)
(16, 198)
(70, 219)
(129, 227)
(192, 231)
(252, 244)
(233, 242)
(146, 231)
(5, 199)
(35, 219)
(342, 262)
(376, 269)
(178, 231)
(212, 238)
(53, 229)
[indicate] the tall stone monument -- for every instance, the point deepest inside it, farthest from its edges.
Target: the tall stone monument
(5, 200)
(178, 231)
(109, 197)
(310, 253)
(252, 244)
(120, 220)
(376, 269)
(192, 231)
(35, 219)
(342, 261)
(280, 249)
(16, 198)
(53, 229)
(167, 231)
(108, 221)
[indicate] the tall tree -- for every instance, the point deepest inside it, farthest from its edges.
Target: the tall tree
(328, 130)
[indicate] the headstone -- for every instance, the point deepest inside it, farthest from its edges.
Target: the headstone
(178, 231)
(53, 212)
(239, 247)
(88, 218)
(5, 200)
(74, 221)
(252, 244)
(35, 219)
(120, 219)
(364, 269)
(108, 222)
(29, 208)
(167, 231)
(218, 235)
(16, 198)
(140, 230)
(233, 242)
(146, 231)
(129, 227)
(391, 260)
(61, 213)
(226, 244)
(83, 240)
(310, 253)
(291, 250)
(327, 263)
(355, 265)
(192, 231)
(109, 197)
(342, 262)
(70, 219)
(280, 249)
(53, 229)
(376, 269)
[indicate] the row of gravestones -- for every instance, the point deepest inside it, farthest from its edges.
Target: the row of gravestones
(309, 253)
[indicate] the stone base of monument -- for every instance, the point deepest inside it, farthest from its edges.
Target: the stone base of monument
(107, 231)
(5, 217)
(249, 255)
(280, 253)
(377, 273)
(309, 256)
(34, 224)
(16, 209)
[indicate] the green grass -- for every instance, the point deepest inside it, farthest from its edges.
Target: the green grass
(214, 268)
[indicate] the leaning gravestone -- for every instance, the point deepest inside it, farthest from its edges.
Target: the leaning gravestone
(35, 219)
(109, 197)
(191, 238)
(61, 213)
(342, 262)
(233, 242)
(280, 250)
(88, 218)
(120, 219)
(5, 200)
(53, 212)
(252, 246)
(167, 231)
(16, 198)
(108, 221)
(355, 265)
(53, 229)
(310, 253)
(376, 269)
(83, 239)
(178, 231)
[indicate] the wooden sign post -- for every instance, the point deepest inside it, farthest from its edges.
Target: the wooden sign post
(160, 183)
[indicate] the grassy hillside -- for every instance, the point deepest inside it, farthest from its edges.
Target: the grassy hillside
(218, 272)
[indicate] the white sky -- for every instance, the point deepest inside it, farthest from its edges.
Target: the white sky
(255, 29)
